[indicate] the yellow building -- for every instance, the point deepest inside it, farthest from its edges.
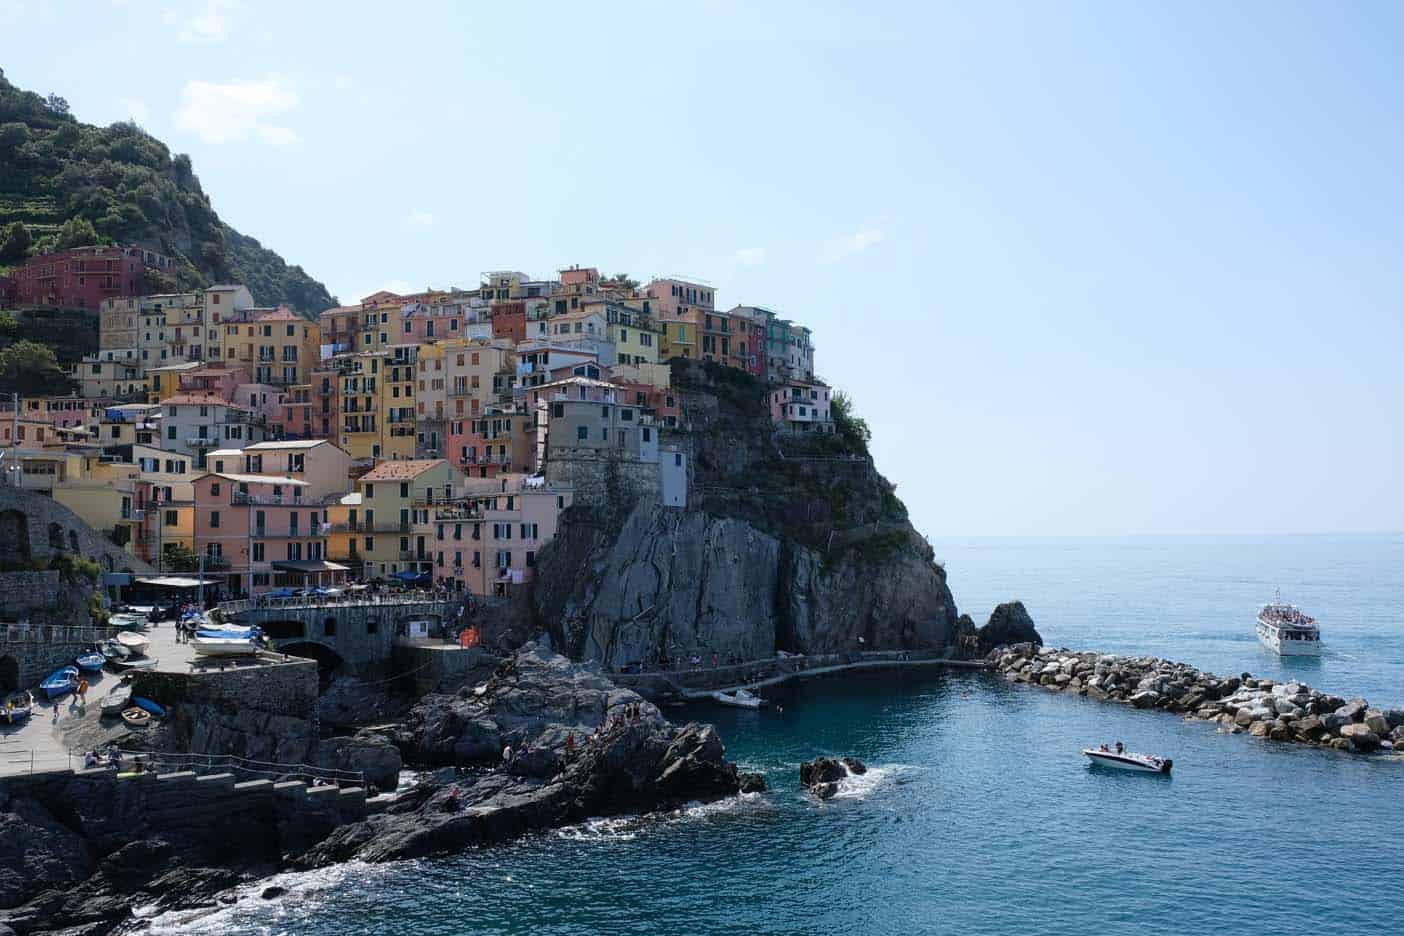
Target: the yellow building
(397, 400)
(164, 381)
(382, 322)
(393, 495)
(274, 346)
(680, 337)
(359, 376)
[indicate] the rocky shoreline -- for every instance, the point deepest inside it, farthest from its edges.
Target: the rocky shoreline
(540, 744)
(1263, 708)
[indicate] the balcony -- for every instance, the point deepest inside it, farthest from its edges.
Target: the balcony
(271, 500)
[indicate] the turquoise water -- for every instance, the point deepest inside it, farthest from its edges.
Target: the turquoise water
(979, 816)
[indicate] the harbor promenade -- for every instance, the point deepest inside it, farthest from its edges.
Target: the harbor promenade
(697, 682)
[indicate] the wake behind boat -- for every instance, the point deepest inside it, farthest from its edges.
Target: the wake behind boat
(1122, 759)
(1285, 630)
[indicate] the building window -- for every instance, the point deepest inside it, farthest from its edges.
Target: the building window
(214, 519)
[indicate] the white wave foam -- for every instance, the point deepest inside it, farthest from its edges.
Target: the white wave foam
(300, 886)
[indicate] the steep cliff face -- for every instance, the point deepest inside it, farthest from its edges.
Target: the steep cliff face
(792, 545)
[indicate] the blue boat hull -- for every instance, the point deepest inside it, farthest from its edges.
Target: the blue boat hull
(149, 706)
(90, 662)
(61, 683)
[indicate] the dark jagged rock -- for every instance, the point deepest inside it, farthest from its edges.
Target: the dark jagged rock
(821, 770)
(272, 893)
(37, 851)
(1009, 624)
(855, 766)
(553, 743)
(370, 753)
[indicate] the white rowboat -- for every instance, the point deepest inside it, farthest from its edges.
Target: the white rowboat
(1129, 760)
(134, 642)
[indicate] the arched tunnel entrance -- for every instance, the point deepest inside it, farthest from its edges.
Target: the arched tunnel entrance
(329, 662)
(9, 674)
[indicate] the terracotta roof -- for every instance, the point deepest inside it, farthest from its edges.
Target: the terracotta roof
(200, 399)
(401, 470)
(280, 314)
(342, 309)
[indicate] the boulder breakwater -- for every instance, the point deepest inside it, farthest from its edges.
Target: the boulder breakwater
(1277, 711)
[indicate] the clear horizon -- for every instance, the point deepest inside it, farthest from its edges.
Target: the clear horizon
(1087, 270)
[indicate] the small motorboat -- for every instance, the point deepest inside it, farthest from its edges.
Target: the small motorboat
(135, 643)
(136, 717)
(226, 632)
(60, 682)
(90, 662)
(113, 650)
(740, 698)
(17, 707)
(127, 621)
(1128, 760)
(223, 646)
(119, 697)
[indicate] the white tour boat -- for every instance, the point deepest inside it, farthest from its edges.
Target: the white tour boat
(740, 699)
(1285, 630)
(1128, 760)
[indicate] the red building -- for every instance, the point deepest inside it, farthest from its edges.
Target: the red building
(509, 320)
(84, 276)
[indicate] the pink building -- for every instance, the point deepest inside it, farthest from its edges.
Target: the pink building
(217, 379)
(488, 537)
(801, 406)
(675, 298)
(260, 532)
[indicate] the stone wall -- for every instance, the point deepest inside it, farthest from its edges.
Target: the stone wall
(604, 478)
(34, 526)
(432, 668)
(266, 712)
(48, 624)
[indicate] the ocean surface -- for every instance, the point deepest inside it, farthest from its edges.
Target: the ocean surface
(979, 815)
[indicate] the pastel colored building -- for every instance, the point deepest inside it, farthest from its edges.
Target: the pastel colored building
(102, 378)
(322, 465)
(488, 536)
(200, 422)
(801, 406)
(398, 433)
(262, 533)
(496, 440)
(391, 494)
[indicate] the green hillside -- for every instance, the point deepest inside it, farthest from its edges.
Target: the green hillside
(64, 183)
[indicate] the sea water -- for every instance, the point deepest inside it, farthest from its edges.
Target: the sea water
(978, 815)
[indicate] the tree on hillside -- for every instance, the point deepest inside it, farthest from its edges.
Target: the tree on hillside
(625, 281)
(13, 136)
(852, 428)
(75, 232)
(57, 104)
(14, 243)
(32, 369)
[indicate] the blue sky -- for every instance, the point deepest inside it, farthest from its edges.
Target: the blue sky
(1085, 268)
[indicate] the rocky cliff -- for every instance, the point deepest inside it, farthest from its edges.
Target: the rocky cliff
(787, 544)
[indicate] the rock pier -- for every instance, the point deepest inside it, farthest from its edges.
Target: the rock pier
(1278, 711)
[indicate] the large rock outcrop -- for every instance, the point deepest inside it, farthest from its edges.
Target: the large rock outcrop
(670, 583)
(552, 742)
(788, 543)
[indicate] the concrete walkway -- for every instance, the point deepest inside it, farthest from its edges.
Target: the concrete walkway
(43, 742)
(697, 695)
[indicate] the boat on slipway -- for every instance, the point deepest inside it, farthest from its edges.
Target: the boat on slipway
(1287, 631)
(1128, 760)
(739, 698)
(135, 643)
(90, 662)
(60, 682)
(117, 698)
(17, 707)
